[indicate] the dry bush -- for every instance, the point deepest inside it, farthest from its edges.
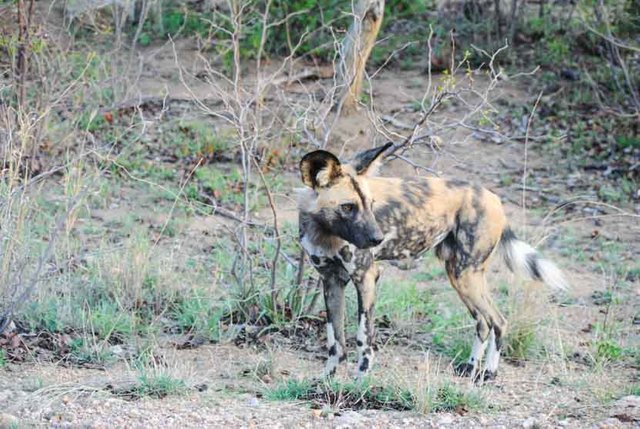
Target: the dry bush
(50, 159)
(251, 99)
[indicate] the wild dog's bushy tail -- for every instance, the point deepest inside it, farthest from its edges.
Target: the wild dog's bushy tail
(525, 260)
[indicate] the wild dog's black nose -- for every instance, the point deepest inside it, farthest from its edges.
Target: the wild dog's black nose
(376, 240)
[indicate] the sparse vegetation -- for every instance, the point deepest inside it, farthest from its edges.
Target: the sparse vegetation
(152, 382)
(339, 396)
(343, 395)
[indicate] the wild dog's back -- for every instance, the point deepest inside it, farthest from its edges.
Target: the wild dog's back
(418, 213)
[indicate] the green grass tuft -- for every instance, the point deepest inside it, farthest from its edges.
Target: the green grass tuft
(403, 301)
(353, 395)
(159, 385)
(606, 351)
(521, 342)
(452, 398)
(291, 390)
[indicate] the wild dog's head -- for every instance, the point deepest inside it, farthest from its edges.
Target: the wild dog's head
(338, 199)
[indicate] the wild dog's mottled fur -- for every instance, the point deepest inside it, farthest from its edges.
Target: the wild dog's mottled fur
(349, 220)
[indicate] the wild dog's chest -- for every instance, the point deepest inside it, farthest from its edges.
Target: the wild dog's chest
(345, 260)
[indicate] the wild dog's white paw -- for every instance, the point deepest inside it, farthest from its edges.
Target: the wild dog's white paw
(364, 364)
(336, 353)
(334, 359)
(493, 356)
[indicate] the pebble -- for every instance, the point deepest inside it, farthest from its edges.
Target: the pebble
(253, 402)
(530, 423)
(611, 423)
(348, 419)
(627, 409)
(445, 419)
(117, 351)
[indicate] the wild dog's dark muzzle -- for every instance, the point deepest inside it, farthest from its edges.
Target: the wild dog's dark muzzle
(375, 239)
(373, 234)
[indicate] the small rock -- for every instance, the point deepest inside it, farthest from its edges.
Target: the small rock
(530, 423)
(8, 421)
(569, 74)
(348, 419)
(445, 419)
(611, 423)
(627, 409)
(253, 402)
(118, 351)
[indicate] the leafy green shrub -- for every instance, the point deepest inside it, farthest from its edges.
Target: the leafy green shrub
(607, 350)
(85, 352)
(108, 320)
(197, 313)
(557, 50)
(175, 20)
(309, 26)
(43, 314)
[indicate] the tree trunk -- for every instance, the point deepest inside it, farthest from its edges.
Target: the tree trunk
(498, 20)
(24, 14)
(357, 47)
(513, 25)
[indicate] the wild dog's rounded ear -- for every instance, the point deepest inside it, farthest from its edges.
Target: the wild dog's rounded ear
(319, 168)
(365, 162)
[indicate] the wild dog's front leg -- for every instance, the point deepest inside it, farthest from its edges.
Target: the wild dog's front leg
(365, 281)
(334, 299)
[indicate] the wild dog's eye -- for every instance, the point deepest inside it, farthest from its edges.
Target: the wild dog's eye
(348, 207)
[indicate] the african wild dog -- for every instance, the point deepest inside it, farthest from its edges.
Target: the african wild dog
(349, 219)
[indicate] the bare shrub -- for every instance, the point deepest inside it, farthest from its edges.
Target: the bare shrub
(250, 100)
(41, 139)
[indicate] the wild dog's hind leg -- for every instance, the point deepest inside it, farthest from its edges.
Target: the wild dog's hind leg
(491, 325)
(365, 282)
(498, 330)
(334, 285)
(497, 323)
(470, 367)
